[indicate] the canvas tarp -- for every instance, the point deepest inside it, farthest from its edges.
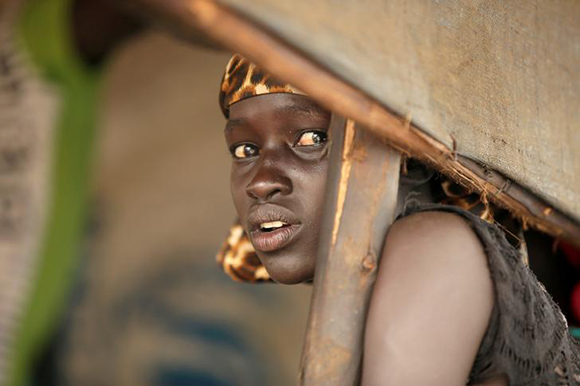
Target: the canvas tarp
(500, 80)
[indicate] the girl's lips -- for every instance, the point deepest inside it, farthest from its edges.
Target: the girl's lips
(271, 241)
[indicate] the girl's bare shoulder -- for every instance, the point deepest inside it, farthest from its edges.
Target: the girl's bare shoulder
(431, 304)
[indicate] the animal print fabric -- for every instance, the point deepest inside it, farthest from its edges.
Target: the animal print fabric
(238, 258)
(243, 79)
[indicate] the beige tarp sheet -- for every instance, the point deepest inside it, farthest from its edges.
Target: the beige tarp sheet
(502, 78)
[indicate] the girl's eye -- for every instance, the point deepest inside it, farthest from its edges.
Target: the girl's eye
(244, 151)
(312, 138)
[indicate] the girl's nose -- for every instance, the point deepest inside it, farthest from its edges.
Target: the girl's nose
(268, 182)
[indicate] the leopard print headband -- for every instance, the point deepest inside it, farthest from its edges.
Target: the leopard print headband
(243, 79)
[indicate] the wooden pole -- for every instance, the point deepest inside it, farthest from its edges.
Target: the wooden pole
(360, 205)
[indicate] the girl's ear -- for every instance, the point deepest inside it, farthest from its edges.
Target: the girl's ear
(238, 258)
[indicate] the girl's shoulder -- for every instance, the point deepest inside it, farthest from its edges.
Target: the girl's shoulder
(431, 303)
(527, 336)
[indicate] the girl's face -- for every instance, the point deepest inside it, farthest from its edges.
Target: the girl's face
(279, 148)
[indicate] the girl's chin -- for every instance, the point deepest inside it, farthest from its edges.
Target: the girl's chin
(289, 280)
(286, 270)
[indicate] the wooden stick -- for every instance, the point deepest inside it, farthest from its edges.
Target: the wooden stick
(360, 201)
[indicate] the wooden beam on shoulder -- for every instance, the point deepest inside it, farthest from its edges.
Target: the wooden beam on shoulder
(361, 200)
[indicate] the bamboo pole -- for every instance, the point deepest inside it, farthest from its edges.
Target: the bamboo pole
(360, 201)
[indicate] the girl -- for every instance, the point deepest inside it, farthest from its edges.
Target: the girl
(453, 303)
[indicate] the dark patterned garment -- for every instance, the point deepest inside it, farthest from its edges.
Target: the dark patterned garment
(527, 338)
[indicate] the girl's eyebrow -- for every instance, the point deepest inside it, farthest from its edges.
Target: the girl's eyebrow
(308, 110)
(232, 123)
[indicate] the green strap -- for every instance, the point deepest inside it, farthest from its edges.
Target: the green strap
(46, 36)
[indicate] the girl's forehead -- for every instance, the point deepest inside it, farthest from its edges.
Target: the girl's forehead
(279, 105)
(274, 112)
